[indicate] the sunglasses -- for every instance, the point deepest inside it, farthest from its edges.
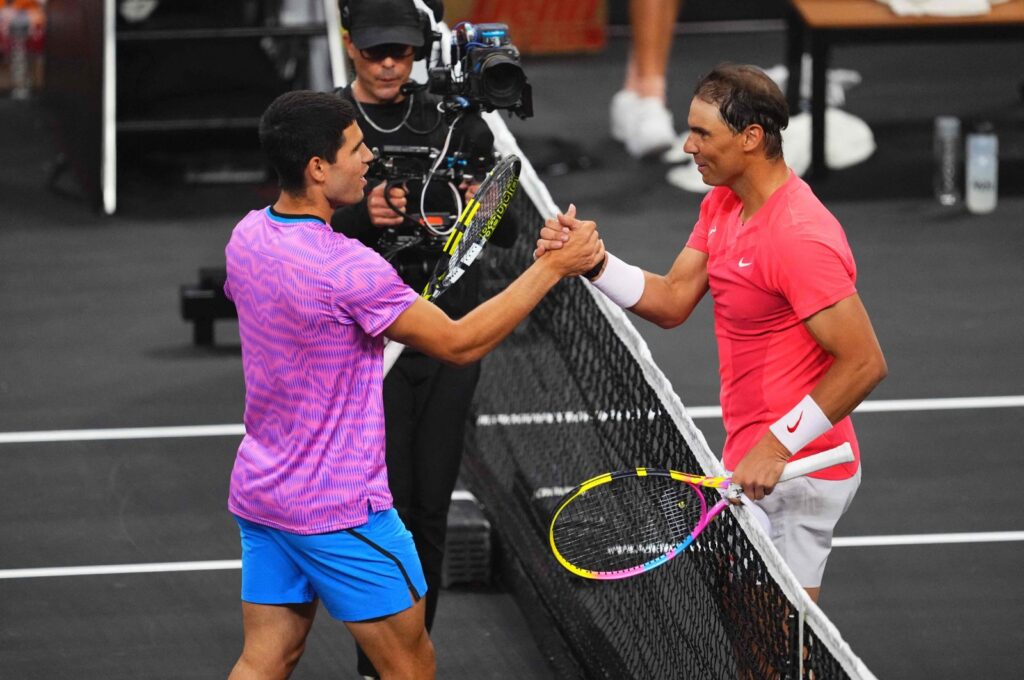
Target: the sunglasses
(381, 52)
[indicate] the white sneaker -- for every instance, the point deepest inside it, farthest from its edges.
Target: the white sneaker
(621, 114)
(643, 124)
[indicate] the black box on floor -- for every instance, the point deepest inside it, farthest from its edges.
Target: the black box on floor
(467, 556)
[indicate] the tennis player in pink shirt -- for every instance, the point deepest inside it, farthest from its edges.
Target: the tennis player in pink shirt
(796, 348)
(309, 486)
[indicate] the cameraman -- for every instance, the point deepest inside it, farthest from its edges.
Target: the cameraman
(426, 402)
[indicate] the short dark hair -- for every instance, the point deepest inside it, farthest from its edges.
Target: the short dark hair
(745, 95)
(300, 125)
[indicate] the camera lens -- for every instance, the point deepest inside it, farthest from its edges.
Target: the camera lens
(502, 80)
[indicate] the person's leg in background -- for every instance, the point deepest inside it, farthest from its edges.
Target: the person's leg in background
(438, 455)
(639, 116)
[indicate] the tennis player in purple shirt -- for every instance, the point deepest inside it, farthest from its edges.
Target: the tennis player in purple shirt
(309, 487)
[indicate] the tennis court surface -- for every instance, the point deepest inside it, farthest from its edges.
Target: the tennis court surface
(922, 581)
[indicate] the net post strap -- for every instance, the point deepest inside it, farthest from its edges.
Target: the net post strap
(809, 612)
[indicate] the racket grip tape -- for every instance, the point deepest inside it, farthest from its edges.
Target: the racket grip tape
(819, 461)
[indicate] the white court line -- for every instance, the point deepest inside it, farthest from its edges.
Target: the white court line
(892, 405)
(107, 569)
(121, 433)
(927, 539)
(215, 565)
(562, 417)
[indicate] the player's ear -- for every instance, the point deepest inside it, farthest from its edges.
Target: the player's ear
(316, 170)
(753, 136)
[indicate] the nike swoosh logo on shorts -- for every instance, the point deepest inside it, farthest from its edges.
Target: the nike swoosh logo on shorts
(745, 264)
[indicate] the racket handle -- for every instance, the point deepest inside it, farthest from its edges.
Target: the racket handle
(392, 350)
(819, 461)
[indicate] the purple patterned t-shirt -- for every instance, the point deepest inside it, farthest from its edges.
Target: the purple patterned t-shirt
(311, 307)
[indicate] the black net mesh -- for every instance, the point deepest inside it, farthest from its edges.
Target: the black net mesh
(563, 400)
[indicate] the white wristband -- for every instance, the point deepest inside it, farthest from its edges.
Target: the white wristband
(622, 283)
(798, 428)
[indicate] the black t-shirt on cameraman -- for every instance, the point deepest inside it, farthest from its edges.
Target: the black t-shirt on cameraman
(416, 121)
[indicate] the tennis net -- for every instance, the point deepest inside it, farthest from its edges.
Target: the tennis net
(574, 392)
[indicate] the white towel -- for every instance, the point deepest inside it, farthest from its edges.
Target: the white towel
(939, 8)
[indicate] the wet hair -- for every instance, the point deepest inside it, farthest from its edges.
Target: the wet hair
(300, 125)
(745, 95)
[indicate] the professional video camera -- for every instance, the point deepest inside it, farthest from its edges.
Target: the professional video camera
(396, 165)
(484, 71)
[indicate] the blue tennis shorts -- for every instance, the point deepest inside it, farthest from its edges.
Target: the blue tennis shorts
(362, 573)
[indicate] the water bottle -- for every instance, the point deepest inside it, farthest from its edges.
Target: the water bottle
(982, 169)
(948, 160)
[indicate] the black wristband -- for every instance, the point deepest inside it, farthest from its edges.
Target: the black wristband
(592, 274)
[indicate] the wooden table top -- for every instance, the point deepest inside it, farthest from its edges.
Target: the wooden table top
(856, 14)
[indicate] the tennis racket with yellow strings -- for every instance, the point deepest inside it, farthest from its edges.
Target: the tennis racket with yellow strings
(480, 217)
(623, 524)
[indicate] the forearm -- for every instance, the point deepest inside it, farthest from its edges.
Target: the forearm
(843, 387)
(665, 300)
(847, 383)
(482, 329)
(427, 328)
(858, 365)
(664, 305)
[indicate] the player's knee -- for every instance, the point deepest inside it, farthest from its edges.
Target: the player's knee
(427, 662)
(420, 662)
(282, 661)
(260, 664)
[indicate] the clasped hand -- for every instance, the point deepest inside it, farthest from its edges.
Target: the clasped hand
(575, 244)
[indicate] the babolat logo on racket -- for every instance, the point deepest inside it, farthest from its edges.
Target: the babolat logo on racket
(640, 548)
(499, 211)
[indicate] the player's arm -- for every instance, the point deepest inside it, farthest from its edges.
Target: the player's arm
(845, 332)
(665, 300)
(670, 299)
(425, 327)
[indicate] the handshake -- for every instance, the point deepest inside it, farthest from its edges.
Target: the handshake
(572, 245)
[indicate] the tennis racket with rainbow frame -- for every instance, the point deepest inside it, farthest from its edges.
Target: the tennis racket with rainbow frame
(622, 524)
(480, 217)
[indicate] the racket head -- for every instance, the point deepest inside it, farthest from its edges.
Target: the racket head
(475, 226)
(622, 524)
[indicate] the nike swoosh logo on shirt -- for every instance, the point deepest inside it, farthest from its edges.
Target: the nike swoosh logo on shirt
(792, 429)
(745, 264)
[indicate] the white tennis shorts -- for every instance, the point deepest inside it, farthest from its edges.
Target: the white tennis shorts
(802, 515)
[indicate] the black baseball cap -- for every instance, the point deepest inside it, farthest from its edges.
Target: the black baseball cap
(379, 22)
